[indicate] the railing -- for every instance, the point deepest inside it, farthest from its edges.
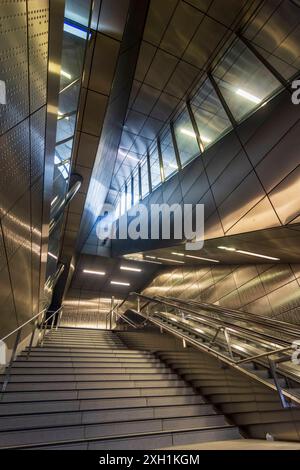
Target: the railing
(42, 325)
(240, 339)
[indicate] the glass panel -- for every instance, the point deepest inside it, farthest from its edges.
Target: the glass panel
(145, 179)
(186, 139)
(211, 119)
(155, 169)
(128, 199)
(168, 155)
(275, 32)
(136, 189)
(243, 80)
(123, 202)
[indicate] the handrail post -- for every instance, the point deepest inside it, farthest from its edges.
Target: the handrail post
(59, 318)
(283, 401)
(227, 338)
(12, 358)
(111, 312)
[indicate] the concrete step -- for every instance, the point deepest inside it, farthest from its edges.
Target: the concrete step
(46, 406)
(50, 378)
(31, 421)
(88, 394)
(92, 431)
(77, 362)
(92, 385)
(157, 440)
(90, 370)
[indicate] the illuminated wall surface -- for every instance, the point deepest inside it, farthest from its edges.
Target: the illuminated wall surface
(267, 290)
(22, 139)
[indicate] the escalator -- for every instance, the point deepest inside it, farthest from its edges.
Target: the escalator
(259, 348)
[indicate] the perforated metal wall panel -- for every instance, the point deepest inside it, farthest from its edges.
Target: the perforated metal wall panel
(23, 68)
(273, 292)
(14, 62)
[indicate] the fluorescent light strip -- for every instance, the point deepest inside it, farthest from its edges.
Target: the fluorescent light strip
(54, 200)
(226, 248)
(248, 96)
(196, 257)
(133, 158)
(151, 257)
(203, 259)
(187, 132)
(52, 255)
(116, 283)
(126, 268)
(97, 273)
(171, 260)
(65, 74)
(249, 253)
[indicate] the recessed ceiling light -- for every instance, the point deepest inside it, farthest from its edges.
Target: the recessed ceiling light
(97, 273)
(171, 260)
(248, 96)
(126, 268)
(249, 253)
(117, 283)
(226, 248)
(177, 254)
(203, 259)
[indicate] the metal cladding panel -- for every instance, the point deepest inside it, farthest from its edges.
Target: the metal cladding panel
(15, 165)
(38, 23)
(16, 226)
(14, 63)
(24, 65)
(272, 292)
(37, 142)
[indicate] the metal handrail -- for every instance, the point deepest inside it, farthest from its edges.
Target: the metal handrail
(23, 324)
(271, 323)
(283, 394)
(41, 326)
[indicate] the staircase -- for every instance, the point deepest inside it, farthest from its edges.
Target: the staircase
(84, 389)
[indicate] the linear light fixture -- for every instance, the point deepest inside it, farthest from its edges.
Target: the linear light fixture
(150, 257)
(117, 283)
(187, 132)
(66, 74)
(203, 259)
(249, 253)
(226, 248)
(54, 200)
(171, 260)
(248, 96)
(126, 268)
(135, 159)
(97, 273)
(52, 255)
(195, 257)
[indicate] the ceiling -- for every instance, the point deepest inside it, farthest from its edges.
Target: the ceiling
(180, 40)
(111, 268)
(282, 243)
